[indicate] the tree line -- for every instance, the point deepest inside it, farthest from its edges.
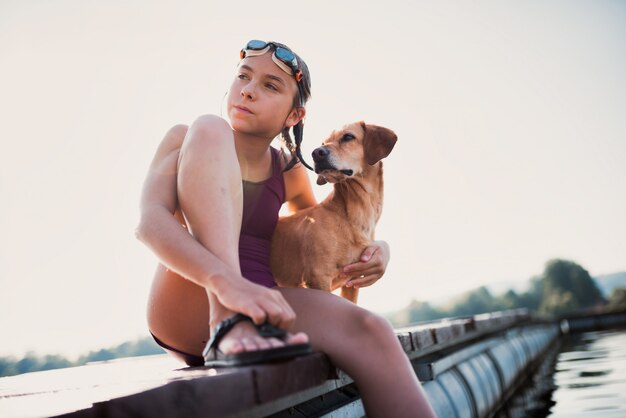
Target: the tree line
(563, 287)
(31, 362)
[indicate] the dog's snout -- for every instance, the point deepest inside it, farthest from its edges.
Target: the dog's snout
(320, 153)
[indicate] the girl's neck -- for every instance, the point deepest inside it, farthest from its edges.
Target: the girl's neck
(251, 148)
(254, 156)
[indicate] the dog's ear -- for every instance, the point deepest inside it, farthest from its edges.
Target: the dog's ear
(377, 143)
(321, 180)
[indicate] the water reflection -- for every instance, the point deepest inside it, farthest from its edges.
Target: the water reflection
(582, 376)
(590, 376)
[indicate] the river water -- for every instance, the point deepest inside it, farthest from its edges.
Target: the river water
(582, 376)
(590, 376)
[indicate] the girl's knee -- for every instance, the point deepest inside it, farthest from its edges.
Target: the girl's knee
(374, 325)
(208, 135)
(210, 129)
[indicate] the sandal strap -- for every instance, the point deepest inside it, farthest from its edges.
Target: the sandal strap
(222, 329)
(266, 330)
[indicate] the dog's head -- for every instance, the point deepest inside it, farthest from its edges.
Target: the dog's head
(348, 151)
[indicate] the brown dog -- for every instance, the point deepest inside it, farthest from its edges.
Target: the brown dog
(310, 248)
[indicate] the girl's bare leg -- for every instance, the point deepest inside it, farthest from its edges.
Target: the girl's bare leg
(211, 198)
(364, 345)
(210, 193)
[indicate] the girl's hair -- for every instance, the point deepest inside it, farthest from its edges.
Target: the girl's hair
(286, 140)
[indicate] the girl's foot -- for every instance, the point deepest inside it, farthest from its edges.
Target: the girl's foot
(244, 336)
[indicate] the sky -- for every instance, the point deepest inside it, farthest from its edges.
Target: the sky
(509, 114)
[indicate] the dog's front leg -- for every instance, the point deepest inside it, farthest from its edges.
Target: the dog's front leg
(350, 293)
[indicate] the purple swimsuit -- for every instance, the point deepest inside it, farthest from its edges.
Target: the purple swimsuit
(261, 203)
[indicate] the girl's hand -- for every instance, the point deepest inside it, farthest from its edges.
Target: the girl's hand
(258, 302)
(371, 266)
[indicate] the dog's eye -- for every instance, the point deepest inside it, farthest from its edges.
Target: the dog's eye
(347, 137)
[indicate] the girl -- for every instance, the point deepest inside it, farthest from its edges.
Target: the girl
(225, 185)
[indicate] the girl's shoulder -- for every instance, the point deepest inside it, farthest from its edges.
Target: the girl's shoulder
(281, 156)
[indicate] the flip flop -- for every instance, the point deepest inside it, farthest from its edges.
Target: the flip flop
(213, 357)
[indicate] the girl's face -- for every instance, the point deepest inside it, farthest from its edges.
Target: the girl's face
(260, 100)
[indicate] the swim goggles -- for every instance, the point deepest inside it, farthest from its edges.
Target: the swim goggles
(283, 57)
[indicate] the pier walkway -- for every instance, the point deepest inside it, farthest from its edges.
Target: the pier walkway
(469, 368)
